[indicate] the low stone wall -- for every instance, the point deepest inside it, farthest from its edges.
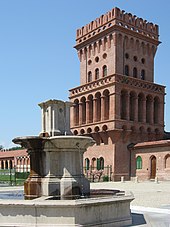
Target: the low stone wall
(106, 211)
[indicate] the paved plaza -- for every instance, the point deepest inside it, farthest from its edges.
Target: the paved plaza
(151, 206)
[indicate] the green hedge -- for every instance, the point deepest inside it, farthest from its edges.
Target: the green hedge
(13, 177)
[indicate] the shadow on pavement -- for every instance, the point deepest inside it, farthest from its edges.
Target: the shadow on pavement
(138, 219)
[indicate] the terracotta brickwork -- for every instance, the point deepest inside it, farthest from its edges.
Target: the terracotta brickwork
(117, 102)
(15, 159)
(154, 158)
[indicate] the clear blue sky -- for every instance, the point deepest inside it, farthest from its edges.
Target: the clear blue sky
(38, 61)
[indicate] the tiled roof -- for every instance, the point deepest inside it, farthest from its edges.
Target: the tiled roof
(13, 153)
(152, 144)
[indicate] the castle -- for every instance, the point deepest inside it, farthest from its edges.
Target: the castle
(118, 103)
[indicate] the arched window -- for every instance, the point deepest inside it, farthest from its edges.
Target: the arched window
(143, 74)
(135, 72)
(10, 164)
(89, 76)
(2, 164)
(167, 161)
(100, 163)
(104, 70)
(123, 105)
(139, 162)
(87, 164)
(96, 74)
(106, 98)
(126, 70)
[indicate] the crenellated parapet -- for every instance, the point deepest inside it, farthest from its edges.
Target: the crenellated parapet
(114, 18)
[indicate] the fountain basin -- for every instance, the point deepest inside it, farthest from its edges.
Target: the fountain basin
(105, 211)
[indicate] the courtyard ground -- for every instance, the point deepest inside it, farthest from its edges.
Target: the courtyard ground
(151, 206)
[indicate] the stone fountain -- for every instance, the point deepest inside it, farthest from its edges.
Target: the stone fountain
(57, 192)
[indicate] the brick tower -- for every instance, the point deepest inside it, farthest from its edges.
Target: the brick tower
(117, 102)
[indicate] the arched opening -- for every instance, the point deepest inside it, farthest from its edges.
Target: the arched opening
(89, 79)
(153, 167)
(126, 70)
(76, 112)
(140, 107)
(148, 109)
(90, 108)
(104, 70)
(83, 103)
(106, 104)
(139, 162)
(100, 163)
(135, 72)
(156, 110)
(98, 106)
(132, 107)
(2, 164)
(123, 104)
(87, 164)
(96, 74)
(167, 161)
(10, 164)
(142, 74)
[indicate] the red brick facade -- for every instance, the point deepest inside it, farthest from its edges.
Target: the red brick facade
(15, 159)
(117, 102)
(151, 159)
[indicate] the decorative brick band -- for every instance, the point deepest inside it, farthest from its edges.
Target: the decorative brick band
(118, 79)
